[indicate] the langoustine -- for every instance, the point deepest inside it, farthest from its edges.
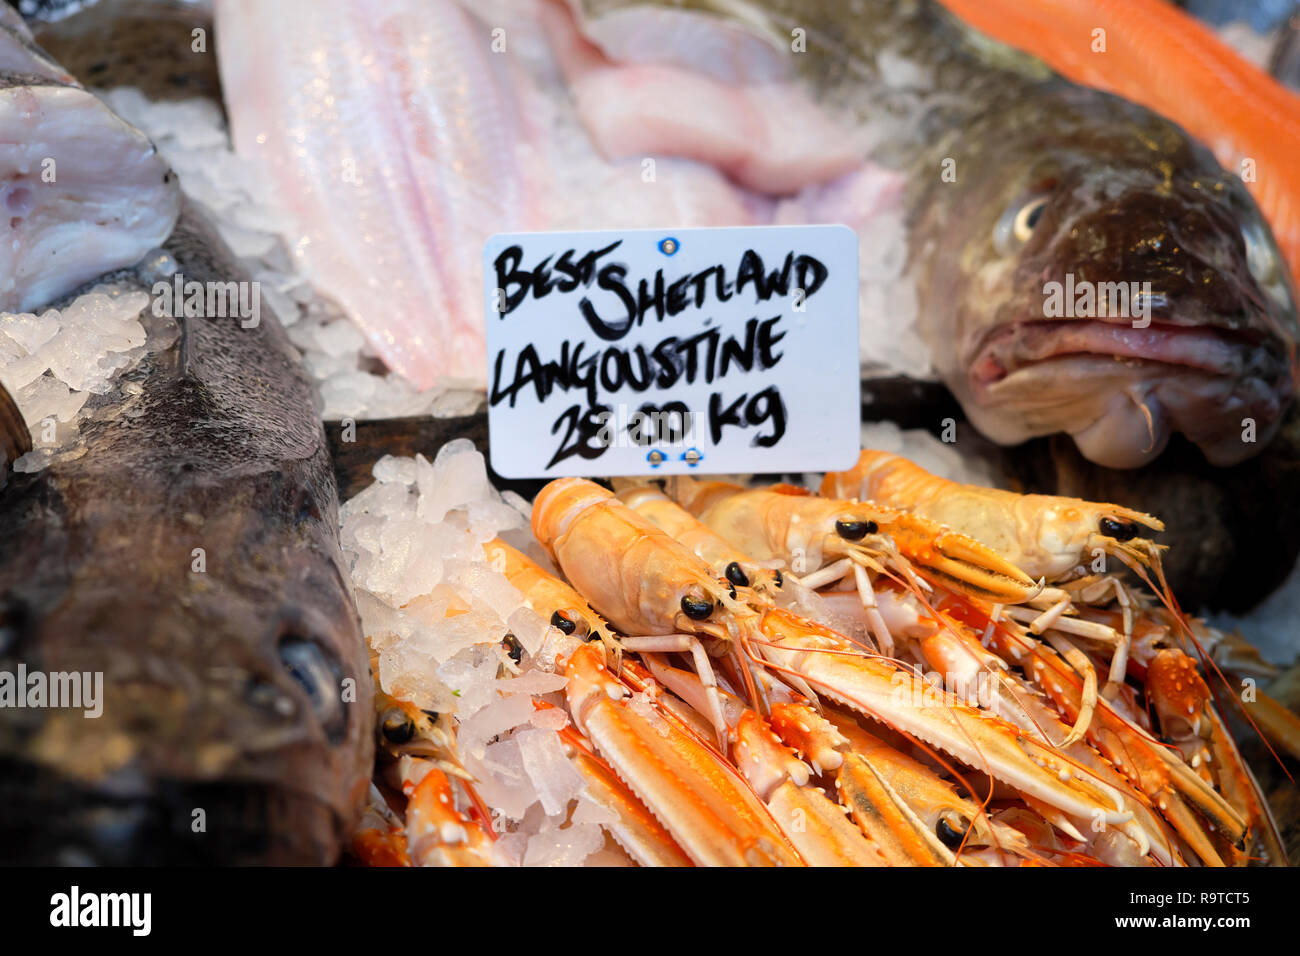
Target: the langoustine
(646, 578)
(881, 759)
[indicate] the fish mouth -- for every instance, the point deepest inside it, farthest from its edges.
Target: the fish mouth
(1015, 346)
(51, 819)
(1121, 390)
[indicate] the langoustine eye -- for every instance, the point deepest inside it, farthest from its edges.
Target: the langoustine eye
(1119, 530)
(951, 836)
(697, 609)
(851, 530)
(398, 728)
(572, 623)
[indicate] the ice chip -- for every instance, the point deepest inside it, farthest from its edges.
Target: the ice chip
(529, 628)
(47, 397)
(553, 777)
(567, 846)
(501, 715)
(391, 468)
(589, 811)
(457, 477)
(21, 372)
(31, 331)
(501, 780)
(534, 681)
(550, 718)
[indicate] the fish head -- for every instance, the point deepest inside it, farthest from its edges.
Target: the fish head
(1108, 279)
(226, 709)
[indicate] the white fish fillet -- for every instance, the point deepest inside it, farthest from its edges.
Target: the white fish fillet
(400, 142)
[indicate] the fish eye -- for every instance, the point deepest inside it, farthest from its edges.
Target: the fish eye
(563, 623)
(319, 675)
(397, 727)
(1022, 227)
(736, 575)
(855, 530)
(1260, 257)
(1017, 224)
(695, 608)
(949, 835)
(1119, 530)
(778, 578)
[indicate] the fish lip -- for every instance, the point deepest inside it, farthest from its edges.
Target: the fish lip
(52, 819)
(1217, 350)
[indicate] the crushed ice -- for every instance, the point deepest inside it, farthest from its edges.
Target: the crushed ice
(414, 543)
(55, 362)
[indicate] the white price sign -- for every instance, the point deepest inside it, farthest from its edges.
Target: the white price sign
(672, 351)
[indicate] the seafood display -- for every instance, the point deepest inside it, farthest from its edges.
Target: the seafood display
(1043, 178)
(767, 676)
(264, 599)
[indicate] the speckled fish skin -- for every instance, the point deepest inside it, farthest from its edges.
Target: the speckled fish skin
(161, 47)
(1128, 198)
(391, 129)
(225, 689)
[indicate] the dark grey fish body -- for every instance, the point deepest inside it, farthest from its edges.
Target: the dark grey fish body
(190, 555)
(185, 550)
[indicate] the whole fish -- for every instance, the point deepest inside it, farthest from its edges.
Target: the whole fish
(188, 554)
(398, 141)
(1081, 264)
(176, 573)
